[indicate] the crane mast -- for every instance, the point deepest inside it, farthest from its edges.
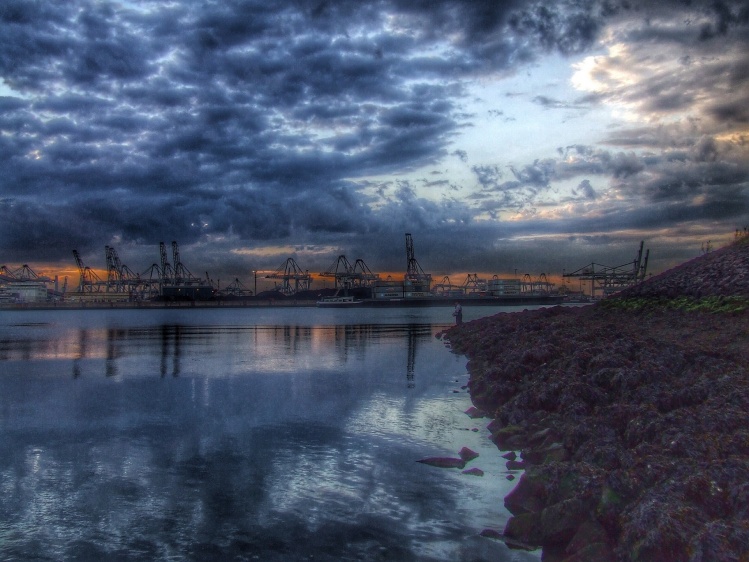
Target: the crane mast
(414, 274)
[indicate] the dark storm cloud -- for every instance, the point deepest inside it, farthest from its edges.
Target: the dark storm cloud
(700, 184)
(247, 122)
(569, 30)
(700, 171)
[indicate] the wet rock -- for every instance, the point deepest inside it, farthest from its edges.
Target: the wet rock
(511, 456)
(443, 462)
(590, 532)
(524, 528)
(554, 453)
(527, 497)
(560, 522)
(494, 426)
(491, 534)
(543, 438)
(473, 412)
(515, 465)
(509, 438)
(474, 472)
(467, 454)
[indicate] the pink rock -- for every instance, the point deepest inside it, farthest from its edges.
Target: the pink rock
(467, 454)
(474, 472)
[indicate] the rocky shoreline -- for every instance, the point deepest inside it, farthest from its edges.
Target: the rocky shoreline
(630, 416)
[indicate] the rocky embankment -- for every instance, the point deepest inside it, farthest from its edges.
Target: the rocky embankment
(631, 416)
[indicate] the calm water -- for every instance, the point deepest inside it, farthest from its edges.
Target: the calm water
(244, 434)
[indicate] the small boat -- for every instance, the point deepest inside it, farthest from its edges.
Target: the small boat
(339, 302)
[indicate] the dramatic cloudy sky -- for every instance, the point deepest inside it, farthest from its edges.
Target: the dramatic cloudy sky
(502, 135)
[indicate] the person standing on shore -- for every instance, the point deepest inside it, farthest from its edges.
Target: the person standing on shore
(458, 313)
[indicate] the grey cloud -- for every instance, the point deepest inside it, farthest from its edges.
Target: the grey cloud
(538, 174)
(462, 154)
(711, 80)
(595, 161)
(726, 16)
(587, 190)
(733, 111)
(487, 176)
(550, 103)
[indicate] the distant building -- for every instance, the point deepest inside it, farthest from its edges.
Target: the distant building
(6, 296)
(28, 291)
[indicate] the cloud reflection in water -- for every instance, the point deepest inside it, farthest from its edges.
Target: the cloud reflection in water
(175, 441)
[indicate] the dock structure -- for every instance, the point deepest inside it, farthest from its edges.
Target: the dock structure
(169, 279)
(24, 285)
(177, 282)
(608, 280)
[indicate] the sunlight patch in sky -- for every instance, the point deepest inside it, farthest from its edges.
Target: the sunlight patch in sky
(277, 251)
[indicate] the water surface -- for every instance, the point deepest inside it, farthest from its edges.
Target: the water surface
(242, 434)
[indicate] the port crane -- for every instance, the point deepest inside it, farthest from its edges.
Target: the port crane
(89, 281)
(348, 276)
(182, 275)
(23, 273)
(474, 284)
(446, 288)
(289, 272)
(613, 279)
(120, 278)
(235, 289)
(414, 274)
(539, 286)
(167, 274)
(6, 274)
